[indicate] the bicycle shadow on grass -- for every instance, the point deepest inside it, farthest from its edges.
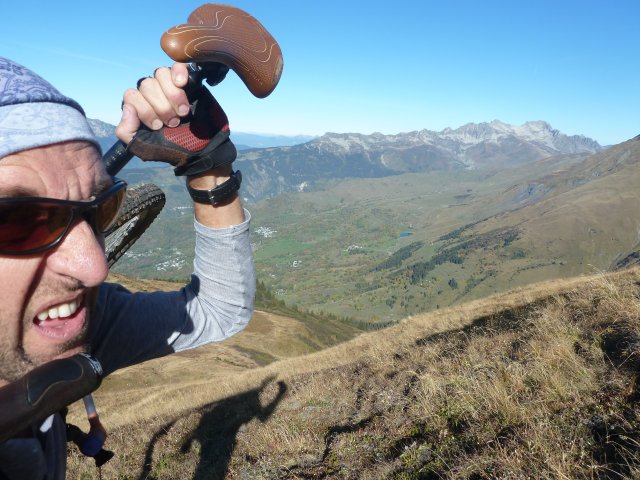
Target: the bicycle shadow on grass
(217, 431)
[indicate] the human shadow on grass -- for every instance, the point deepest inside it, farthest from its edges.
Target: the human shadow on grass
(218, 429)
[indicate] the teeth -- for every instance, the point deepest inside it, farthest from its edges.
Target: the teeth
(63, 310)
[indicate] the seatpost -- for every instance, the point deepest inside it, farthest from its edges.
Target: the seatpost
(217, 38)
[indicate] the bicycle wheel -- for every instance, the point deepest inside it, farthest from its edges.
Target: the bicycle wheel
(141, 207)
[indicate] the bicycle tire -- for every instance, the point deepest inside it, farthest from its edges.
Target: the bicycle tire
(141, 207)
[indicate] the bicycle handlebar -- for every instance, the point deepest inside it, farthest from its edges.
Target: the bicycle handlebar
(45, 390)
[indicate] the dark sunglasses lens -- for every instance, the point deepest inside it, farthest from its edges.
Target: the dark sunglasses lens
(31, 226)
(109, 209)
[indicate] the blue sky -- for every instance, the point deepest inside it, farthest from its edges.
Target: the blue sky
(366, 66)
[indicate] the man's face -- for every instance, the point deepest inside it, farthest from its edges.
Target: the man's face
(61, 282)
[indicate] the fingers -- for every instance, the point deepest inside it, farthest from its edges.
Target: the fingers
(160, 94)
(161, 101)
(179, 74)
(158, 101)
(129, 123)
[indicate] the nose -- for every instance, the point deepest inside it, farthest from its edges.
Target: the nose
(80, 255)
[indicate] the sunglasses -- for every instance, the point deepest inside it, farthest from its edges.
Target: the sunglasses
(31, 225)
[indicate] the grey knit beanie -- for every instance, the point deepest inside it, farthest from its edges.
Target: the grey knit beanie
(33, 113)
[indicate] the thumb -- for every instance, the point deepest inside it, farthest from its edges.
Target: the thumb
(129, 124)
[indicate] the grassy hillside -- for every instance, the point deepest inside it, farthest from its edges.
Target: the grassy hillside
(535, 383)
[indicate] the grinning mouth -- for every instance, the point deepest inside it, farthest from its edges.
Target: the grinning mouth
(63, 310)
(64, 321)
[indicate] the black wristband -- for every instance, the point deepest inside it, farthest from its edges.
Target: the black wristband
(220, 194)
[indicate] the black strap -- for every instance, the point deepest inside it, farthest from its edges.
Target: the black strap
(220, 194)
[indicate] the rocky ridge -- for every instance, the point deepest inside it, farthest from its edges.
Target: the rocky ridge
(347, 155)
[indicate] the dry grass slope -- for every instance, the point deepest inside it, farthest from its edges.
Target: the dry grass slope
(184, 380)
(536, 383)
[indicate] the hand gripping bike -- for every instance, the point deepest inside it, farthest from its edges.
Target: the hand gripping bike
(215, 39)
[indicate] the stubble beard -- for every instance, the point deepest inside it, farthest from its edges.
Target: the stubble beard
(15, 362)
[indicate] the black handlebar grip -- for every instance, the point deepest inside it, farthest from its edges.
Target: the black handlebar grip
(116, 158)
(45, 390)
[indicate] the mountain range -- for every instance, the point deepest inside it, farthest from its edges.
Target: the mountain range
(495, 145)
(310, 165)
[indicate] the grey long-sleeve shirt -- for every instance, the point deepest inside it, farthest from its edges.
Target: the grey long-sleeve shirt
(129, 328)
(217, 303)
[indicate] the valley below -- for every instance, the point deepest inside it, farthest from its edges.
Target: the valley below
(375, 250)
